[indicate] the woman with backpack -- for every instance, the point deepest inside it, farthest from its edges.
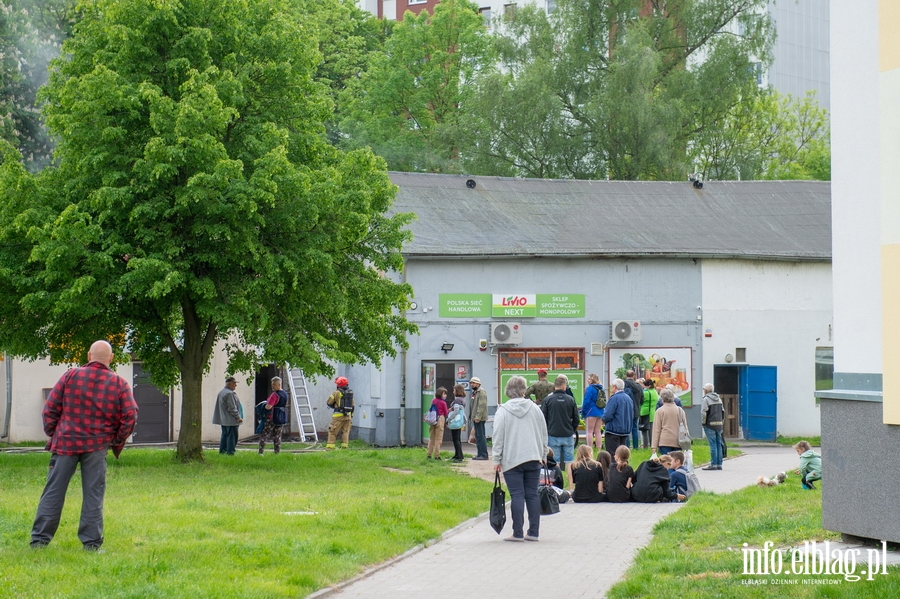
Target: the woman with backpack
(592, 410)
(436, 430)
(457, 420)
(276, 416)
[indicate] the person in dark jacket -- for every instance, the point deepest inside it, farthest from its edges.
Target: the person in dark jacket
(618, 417)
(652, 484)
(562, 418)
(636, 391)
(712, 419)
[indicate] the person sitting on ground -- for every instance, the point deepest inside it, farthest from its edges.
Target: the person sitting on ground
(677, 478)
(810, 465)
(551, 474)
(585, 476)
(619, 480)
(605, 460)
(651, 483)
(666, 461)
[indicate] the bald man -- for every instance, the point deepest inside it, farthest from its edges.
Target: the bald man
(88, 411)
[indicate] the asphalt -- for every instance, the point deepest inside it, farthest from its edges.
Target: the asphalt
(473, 561)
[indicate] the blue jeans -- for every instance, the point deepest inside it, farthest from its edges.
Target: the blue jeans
(664, 449)
(715, 445)
(635, 434)
(480, 440)
(563, 449)
(522, 481)
(228, 441)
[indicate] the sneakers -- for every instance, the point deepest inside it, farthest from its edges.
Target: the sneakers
(478, 458)
(514, 539)
(807, 486)
(710, 467)
(93, 549)
(531, 538)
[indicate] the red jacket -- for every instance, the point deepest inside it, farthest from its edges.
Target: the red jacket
(90, 409)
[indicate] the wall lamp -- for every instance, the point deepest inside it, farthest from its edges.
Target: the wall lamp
(445, 347)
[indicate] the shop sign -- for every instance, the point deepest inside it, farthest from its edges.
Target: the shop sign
(511, 305)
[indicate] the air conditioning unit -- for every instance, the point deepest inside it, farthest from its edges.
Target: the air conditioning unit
(626, 330)
(509, 333)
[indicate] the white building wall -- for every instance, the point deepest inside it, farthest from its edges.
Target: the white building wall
(780, 312)
(856, 189)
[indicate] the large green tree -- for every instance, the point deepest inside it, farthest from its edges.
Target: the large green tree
(612, 88)
(195, 201)
(406, 105)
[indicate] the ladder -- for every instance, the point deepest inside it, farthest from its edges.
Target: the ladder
(302, 407)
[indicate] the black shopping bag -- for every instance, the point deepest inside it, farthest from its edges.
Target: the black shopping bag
(724, 448)
(549, 500)
(498, 505)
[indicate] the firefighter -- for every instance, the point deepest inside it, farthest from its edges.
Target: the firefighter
(341, 401)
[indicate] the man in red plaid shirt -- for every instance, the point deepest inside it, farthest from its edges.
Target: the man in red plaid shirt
(89, 410)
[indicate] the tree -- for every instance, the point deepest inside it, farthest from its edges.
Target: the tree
(766, 136)
(31, 32)
(626, 85)
(196, 202)
(406, 105)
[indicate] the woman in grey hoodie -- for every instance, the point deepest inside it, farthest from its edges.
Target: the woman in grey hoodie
(520, 446)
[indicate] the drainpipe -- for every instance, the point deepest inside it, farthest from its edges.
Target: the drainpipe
(8, 361)
(403, 381)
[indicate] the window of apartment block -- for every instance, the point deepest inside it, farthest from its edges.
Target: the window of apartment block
(411, 2)
(824, 369)
(486, 13)
(551, 6)
(509, 12)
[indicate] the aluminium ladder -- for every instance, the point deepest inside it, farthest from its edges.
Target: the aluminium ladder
(302, 406)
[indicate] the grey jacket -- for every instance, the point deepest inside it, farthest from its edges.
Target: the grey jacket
(226, 411)
(520, 433)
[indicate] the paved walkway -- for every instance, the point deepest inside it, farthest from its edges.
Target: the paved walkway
(473, 561)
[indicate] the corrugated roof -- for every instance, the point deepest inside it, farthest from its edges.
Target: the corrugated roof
(507, 217)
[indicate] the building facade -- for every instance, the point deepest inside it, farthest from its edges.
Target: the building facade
(861, 414)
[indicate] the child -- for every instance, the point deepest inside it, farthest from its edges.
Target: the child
(552, 475)
(677, 478)
(651, 483)
(585, 476)
(810, 465)
(618, 484)
(666, 460)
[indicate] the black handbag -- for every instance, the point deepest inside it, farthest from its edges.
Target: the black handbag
(549, 500)
(498, 505)
(644, 422)
(724, 448)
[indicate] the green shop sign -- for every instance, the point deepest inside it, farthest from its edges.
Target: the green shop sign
(484, 305)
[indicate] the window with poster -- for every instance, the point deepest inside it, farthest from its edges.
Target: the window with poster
(556, 361)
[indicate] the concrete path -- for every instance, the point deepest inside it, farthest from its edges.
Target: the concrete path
(473, 561)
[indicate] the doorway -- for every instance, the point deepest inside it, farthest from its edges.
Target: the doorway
(444, 374)
(154, 411)
(750, 395)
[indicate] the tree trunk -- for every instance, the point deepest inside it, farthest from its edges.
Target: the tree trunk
(196, 350)
(190, 447)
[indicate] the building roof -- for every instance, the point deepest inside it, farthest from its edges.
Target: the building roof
(505, 217)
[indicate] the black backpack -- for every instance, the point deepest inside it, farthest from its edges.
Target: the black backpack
(346, 403)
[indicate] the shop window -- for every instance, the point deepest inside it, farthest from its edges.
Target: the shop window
(568, 360)
(539, 359)
(512, 360)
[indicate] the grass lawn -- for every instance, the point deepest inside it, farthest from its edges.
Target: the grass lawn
(697, 551)
(219, 529)
(813, 441)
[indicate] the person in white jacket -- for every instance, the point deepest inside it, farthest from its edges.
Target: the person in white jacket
(520, 447)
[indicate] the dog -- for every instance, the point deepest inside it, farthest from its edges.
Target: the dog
(764, 481)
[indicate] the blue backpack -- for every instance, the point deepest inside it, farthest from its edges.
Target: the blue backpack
(261, 416)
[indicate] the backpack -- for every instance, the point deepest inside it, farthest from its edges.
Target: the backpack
(346, 401)
(431, 416)
(279, 413)
(693, 483)
(458, 419)
(601, 398)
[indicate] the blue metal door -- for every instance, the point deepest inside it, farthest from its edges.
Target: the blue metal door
(762, 403)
